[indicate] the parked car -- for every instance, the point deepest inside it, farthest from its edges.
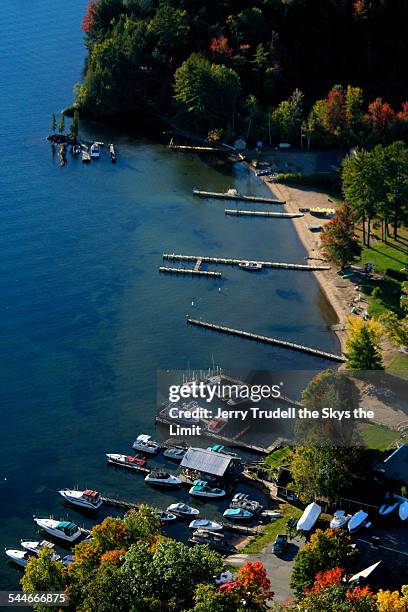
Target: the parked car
(280, 544)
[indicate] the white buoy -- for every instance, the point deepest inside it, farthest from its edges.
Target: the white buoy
(219, 289)
(192, 303)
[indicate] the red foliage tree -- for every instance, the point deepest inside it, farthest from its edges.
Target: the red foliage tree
(88, 18)
(403, 114)
(380, 115)
(327, 579)
(220, 45)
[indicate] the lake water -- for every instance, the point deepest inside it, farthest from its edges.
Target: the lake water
(86, 319)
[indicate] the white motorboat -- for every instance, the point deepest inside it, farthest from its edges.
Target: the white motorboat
(175, 453)
(205, 524)
(126, 461)
(201, 488)
(145, 444)
(309, 517)
(340, 519)
(403, 511)
(165, 517)
(20, 557)
(162, 479)
(357, 521)
(64, 530)
(89, 499)
(251, 266)
(183, 510)
(241, 500)
(95, 150)
(271, 514)
(387, 509)
(35, 547)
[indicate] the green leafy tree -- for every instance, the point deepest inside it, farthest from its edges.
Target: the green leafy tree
(61, 125)
(74, 129)
(395, 328)
(326, 550)
(339, 241)
(287, 118)
(362, 345)
(320, 470)
(44, 574)
(170, 27)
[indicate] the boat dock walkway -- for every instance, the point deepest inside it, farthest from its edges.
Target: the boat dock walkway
(267, 340)
(119, 503)
(236, 196)
(197, 149)
(195, 272)
(236, 262)
(260, 213)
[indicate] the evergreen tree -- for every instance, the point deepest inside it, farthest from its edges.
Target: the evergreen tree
(74, 129)
(61, 126)
(363, 352)
(53, 122)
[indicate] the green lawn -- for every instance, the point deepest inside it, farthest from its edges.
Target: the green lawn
(271, 530)
(377, 437)
(399, 366)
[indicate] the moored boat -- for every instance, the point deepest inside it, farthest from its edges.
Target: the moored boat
(387, 509)
(145, 444)
(126, 461)
(357, 521)
(86, 158)
(112, 153)
(218, 448)
(241, 500)
(271, 514)
(250, 266)
(89, 499)
(201, 488)
(95, 150)
(213, 540)
(183, 510)
(175, 453)
(237, 514)
(162, 479)
(340, 519)
(205, 524)
(63, 530)
(76, 149)
(403, 511)
(35, 547)
(165, 517)
(19, 557)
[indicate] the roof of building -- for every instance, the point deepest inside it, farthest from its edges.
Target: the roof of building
(206, 461)
(395, 466)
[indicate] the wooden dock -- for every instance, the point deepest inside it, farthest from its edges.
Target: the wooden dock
(197, 149)
(195, 272)
(236, 196)
(236, 262)
(267, 340)
(119, 503)
(260, 213)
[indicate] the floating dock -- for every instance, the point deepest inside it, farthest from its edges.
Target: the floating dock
(260, 213)
(236, 262)
(119, 503)
(236, 196)
(194, 272)
(267, 340)
(197, 149)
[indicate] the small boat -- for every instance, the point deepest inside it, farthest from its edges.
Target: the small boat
(64, 530)
(271, 514)
(145, 444)
(250, 266)
(126, 461)
(112, 153)
(241, 500)
(86, 158)
(19, 557)
(35, 547)
(175, 453)
(403, 511)
(201, 488)
(340, 519)
(387, 509)
(95, 151)
(89, 499)
(165, 517)
(162, 479)
(213, 540)
(205, 524)
(357, 521)
(218, 448)
(309, 517)
(75, 149)
(183, 510)
(237, 514)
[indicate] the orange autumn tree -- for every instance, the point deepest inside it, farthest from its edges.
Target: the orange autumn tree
(253, 586)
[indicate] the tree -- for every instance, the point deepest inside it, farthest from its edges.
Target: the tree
(253, 586)
(338, 237)
(61, 126)
(325, 551)
(363, 337)
(44, 574)
(395, 175)
(380, 116)
(53, 122)
(170, 27)
(391, 601)
(330, 593)
(208, 598)
(287, 118)
(395, 328)
(74, 129)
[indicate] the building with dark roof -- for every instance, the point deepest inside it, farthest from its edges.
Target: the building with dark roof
(395, 466)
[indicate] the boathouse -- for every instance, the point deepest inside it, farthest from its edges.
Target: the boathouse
(206, 462)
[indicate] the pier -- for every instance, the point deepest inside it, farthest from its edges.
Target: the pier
(194, 271)
(236, 262)
(197, 149)
(260, 213)
(119, 503)
(267, 340)
(236, 196)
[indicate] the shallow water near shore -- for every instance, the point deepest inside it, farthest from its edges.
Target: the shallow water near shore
(86, 318)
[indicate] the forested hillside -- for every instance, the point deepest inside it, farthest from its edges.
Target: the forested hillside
(226, 64)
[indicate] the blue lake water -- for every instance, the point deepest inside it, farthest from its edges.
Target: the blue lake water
(86, 319)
